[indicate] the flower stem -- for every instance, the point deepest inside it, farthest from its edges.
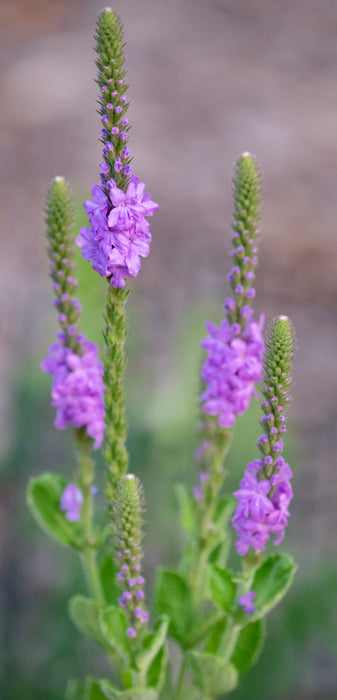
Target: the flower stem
(207, 535)
(116, 421)
(85, 481)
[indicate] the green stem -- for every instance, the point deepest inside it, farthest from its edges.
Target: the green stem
(250, 564)
(85, 482)
(206, 539)
(114, 371)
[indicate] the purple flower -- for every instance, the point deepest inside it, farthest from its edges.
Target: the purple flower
(71, 502)
(129, 206)
(262, 507)
(77, 389)
(233, 365)
(119, 235)
(247, 602)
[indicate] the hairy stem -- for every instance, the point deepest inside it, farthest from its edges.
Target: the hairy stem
(86, 476)
(116, 421)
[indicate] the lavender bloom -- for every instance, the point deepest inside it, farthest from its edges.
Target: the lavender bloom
(78, 389)
(247, 602)
(71, 502)
(230, 371)
(119, 234)
(263, 507)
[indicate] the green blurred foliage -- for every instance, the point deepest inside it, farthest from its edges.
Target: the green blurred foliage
(41, 646)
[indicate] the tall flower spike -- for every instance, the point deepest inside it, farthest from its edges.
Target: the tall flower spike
(127, 515)
(113, 102)
(235, 350)
(77, 388)
(119, 235)
(59, 220)
(265, 491)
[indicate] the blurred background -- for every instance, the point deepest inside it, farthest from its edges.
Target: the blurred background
(209, 79)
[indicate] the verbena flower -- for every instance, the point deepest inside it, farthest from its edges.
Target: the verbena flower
(118, 235)
(71, 502)
(235, 349)
(77, 388)
(265, 491)
(247, 602)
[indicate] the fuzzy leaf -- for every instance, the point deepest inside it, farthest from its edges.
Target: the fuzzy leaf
(187, 507)
(215, 637)
(271, 582)
(93, 691)
(212, 674)
(223, 512)
(156, 674)
(223, 588)
(152, 644)
(172, 598)
(85, 614)
(75, 690)
(107, 574)
(113, 627)
(248, 646)
(44, 495)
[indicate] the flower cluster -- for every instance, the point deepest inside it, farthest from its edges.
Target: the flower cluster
(263, 507)
(232, 367)
(77, 389)
(119, 235)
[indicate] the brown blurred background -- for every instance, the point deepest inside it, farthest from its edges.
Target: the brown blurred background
(209, 79)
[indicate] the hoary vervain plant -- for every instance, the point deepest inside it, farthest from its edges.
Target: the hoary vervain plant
(214, 614)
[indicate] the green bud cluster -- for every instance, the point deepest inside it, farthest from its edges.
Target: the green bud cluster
(113, 104)
(59, 222)
(278, 364)
(278, 360)
(247, 199)
(127, 511)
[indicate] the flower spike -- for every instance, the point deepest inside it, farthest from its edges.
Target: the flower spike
(265, 491)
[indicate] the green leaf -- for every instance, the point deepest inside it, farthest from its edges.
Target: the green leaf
(107, 574)
(93, 691)
(85, 614)
(75, 690)
(248, 646)
(187, 505)
(112, 693)
(113, 627)
(215, 637)
(223, 512)
(219, 554)
(212, 674)
(271, 582)
(222, 587)
(156, 674)
(152, 644)
(44, 495)
(172, 598)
